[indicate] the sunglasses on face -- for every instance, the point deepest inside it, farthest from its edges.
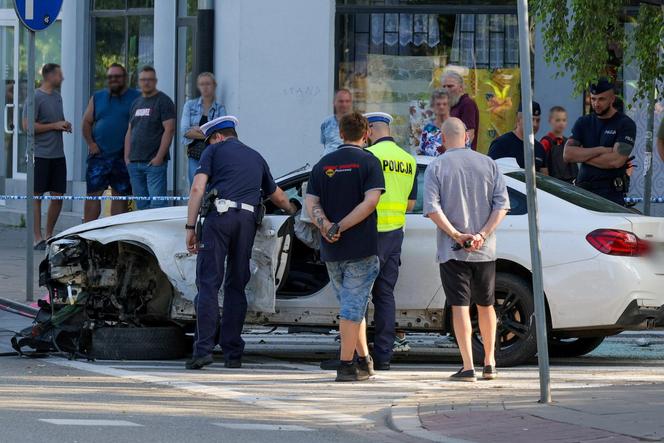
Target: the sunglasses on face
(114, 77)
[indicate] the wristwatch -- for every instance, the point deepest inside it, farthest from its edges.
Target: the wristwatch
(190, 227)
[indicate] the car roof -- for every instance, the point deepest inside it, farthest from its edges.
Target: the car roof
(504, 164)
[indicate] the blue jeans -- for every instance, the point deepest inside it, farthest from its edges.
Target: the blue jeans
(148, 181)
(192, 166)
(352, 281)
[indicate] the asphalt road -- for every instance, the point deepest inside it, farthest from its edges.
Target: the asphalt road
(279, 395)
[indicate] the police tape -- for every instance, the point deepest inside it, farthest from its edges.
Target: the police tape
(185, 198)
(97, 197)
(640, 200)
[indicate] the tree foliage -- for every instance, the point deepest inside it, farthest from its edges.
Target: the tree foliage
(577, 35)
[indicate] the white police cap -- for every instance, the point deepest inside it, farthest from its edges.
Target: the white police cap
(376, 117)
(217, 124)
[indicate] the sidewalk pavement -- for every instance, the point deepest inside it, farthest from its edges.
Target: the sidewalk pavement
(506, 410)
(13, 265)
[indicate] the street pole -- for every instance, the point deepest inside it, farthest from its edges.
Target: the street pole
(531, 187)
(30, 154)
(648, 161)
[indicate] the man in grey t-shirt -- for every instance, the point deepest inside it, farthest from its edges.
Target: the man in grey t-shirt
(148, 139)
(466, 197)
(50, 164)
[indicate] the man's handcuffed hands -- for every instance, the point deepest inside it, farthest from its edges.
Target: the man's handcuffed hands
(477, 241)
(325, 228)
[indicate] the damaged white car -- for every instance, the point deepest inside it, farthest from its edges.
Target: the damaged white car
(129, 283)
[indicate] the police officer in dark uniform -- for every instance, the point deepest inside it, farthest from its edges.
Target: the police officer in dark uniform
(602, 142)
(240, 177)
(510, 144)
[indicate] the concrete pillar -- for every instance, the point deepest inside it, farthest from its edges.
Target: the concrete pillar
(165, 24)
(75, 52)
(275, 63)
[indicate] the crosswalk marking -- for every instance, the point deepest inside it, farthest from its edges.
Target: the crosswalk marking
(264, 401)
(81, 422)
(263, 427)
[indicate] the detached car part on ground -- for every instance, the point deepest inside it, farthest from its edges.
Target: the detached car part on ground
(134, 283)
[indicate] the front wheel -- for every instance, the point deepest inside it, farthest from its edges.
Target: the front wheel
(139, 343)
(516, 341)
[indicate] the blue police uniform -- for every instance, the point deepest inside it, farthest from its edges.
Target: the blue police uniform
(399, 170)
(241, 176)
(590, 131)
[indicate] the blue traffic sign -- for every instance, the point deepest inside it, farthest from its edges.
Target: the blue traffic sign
(37, 14)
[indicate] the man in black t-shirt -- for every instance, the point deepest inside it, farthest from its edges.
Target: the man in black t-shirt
(344, 189)
(510, 145)
(602, 142)
(149, 136)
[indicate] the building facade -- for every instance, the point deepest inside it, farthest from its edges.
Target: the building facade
(278, 64)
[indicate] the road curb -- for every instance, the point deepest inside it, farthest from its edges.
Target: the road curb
(406, 419)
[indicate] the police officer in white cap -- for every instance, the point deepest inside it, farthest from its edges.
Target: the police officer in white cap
(241, 178)
(399, 170)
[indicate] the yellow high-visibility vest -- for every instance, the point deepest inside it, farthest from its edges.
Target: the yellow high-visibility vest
(399, 169)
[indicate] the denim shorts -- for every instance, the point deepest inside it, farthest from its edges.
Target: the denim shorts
(352, 281)
(103, 172)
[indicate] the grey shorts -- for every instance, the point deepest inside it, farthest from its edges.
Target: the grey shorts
(352, 281)
(469, 282)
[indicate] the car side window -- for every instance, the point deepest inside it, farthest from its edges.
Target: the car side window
(293, 190)
(518, 202)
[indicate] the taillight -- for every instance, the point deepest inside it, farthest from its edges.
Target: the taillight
(616, 242)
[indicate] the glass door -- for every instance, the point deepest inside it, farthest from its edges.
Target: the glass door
(9, 99)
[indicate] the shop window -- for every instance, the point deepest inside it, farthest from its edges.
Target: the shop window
(101, 5)
(123, 32)
(392, 57)
(424, 2)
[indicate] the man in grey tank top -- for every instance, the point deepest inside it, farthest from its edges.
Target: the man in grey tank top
(50, 164)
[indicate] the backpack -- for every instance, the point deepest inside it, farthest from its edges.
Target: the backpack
(558, 167)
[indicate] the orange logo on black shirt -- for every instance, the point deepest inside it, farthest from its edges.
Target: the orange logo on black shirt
(330, 171)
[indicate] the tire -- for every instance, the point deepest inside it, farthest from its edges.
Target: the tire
(573, 347)
(517, 342)
(147, 343)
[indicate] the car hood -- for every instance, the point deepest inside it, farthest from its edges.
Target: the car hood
(149, 215)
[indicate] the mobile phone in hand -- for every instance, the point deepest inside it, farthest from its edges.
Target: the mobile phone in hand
(334, 230)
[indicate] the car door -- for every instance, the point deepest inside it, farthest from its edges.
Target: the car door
(419, 281)
(270, 254)
(266, 258)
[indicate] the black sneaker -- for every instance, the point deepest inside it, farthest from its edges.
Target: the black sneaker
(462, 375)
(366, 366)
(350, 372)
(234, 364)
(489, 372)
(199, 362)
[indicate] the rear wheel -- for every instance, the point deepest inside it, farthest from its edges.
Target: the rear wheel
(516, 341)
(573, 347)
